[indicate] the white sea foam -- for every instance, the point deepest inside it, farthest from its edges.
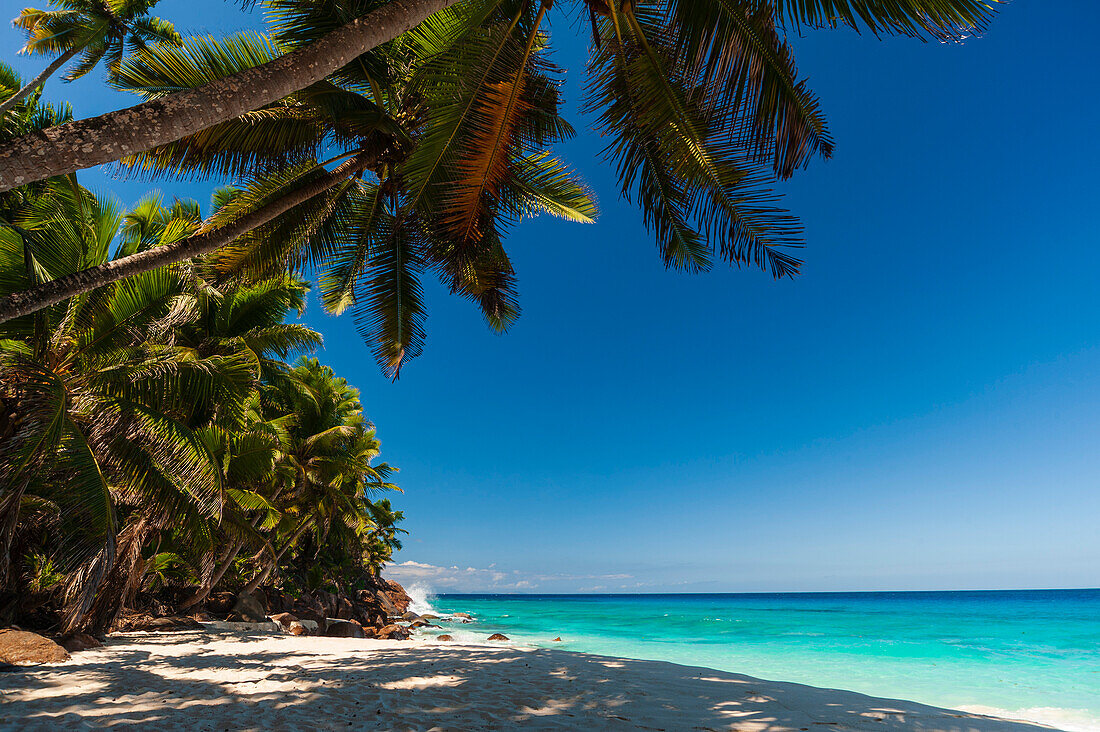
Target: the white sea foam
(420, 594)
(1070, 720)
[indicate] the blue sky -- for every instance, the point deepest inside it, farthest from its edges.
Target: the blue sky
(919, 410)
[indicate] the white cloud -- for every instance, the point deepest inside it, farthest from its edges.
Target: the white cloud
(472, 579)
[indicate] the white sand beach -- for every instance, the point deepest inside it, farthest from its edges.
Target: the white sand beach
(210, 681)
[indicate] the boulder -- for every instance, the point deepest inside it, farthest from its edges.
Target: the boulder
(393, 632)
(465, 616)
(252, 607)
(77, 642)
(221, 603)
(445, 637)
(429, 616)
(285, 620)
(344, 629)
(296, 628)
(498, 636)
(410, 615)
(21, 648)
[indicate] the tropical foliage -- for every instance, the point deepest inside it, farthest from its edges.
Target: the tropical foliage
(152, 430)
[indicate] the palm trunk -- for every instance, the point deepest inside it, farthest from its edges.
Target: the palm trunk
(52, 292)
(260, 578)
(108, 137)
(37, 81)
(227, 561)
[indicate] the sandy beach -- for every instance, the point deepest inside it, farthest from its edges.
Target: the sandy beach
(210, 681)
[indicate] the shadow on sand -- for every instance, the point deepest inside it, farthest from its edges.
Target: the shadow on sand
(198, 681)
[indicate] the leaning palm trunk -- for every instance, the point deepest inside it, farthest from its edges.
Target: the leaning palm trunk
(108, 137)
(262, 576)
(54, 291)
(211, 582)
(37, 81)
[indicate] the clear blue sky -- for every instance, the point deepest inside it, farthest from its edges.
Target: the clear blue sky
(919, 410)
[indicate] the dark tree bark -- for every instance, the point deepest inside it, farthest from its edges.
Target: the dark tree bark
(108, 137)
(54, 291)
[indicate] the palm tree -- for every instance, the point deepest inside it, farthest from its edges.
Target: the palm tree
(371, 240)
(94, 29)
(105, 403)
(700, 99)
(362, 27)
(327, 458)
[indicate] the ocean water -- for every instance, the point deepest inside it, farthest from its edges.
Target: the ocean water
(1026, 654)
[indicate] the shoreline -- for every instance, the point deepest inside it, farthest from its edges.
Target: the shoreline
(209, 680)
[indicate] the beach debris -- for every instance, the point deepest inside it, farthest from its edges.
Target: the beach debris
(498, 636)
(445, 637)
(23, 648)
(172, 623)
(76, 642)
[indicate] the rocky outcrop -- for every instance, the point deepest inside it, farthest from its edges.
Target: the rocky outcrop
(498, 636)
(410, 615)
(444, 637)
(22, 648)
(396, 596)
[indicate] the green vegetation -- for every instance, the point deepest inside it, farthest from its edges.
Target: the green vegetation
(154, 440)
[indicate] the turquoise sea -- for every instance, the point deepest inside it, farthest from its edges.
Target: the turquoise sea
(1031, 654)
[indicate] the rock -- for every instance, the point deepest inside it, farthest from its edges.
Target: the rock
(498, 636)
(422, 624)
(393, 632)
(344, 629)
(444, 637)
(557, 640)
(21, 648)
(465, 616)
(285, 620)
(77, 642)
(429, 616)
(410, 615)
(370, 632)
(397, 596)
(467, 621)
(296, 628)
(221, 603)
(252, 608)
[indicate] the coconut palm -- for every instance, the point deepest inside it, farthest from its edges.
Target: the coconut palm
(92, 29)
(364, 26)
(368, 241)
(700, 100)
(106, 403)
